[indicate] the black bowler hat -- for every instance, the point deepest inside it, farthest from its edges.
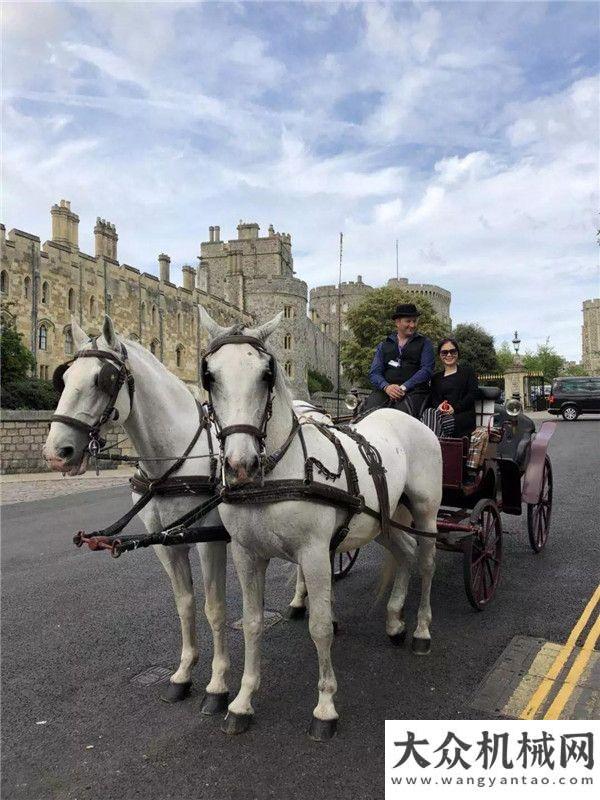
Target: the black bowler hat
(406, 310)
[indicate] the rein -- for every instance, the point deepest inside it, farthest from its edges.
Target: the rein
(181, 531)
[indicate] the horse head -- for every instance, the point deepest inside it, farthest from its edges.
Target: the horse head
(90, 387)
(240, 375)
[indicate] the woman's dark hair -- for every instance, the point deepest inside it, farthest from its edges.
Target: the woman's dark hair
(452, 341)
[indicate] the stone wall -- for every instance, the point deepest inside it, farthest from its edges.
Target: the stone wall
(590, 336)
(23, 434)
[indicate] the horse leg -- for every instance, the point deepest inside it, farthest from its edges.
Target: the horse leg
(317, 571)
(213, 557)
(297, 608)
(176, 562)
(425, 520)
(401, 549)
(251, 573)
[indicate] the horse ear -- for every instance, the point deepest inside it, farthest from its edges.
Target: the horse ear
(264, 331)
(108, 331)
(212, 328)
(80, 337)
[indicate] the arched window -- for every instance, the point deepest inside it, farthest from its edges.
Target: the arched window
(287, 341)
(27, 287)
(43, 338)
(179, 355)
(4, 282)
(288, 368)
(153, 347)
(45, 292)
(92, 306)
(153, 315)
(288, 312)
(68, 340)
(72, 300)
(143, 312)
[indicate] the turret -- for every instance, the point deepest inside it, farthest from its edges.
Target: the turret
(189, 277)
(164, 268)
(65, 224)
(105, 236)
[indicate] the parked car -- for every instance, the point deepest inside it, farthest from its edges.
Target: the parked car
(574, 396)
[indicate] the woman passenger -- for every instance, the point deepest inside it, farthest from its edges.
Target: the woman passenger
(452, 397)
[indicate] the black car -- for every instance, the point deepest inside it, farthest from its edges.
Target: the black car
(574, 396)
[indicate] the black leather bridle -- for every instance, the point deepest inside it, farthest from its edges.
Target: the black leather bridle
(111, 378)
(236, 336)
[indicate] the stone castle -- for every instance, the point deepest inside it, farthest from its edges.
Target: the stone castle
(324, 302)
(247, 279)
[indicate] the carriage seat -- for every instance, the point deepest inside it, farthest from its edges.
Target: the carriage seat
(485, 405)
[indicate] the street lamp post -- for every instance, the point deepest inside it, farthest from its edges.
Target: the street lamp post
(516, 342)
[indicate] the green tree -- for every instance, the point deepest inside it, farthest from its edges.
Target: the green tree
(370, 322)
(476, 348)
(575, 371)
(317, 382)
(17, 360)
(505, 357)
(545, 360)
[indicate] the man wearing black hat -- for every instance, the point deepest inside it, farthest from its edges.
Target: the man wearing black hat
(403, 365)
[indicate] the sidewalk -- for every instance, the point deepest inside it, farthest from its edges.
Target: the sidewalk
(26, 487)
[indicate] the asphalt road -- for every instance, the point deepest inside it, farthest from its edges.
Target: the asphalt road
(78, 626)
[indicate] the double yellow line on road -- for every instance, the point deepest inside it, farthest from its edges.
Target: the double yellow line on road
(580, 663)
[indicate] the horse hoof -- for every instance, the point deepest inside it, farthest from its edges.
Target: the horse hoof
(421, 647)
(236, 723)
(176, 692)
(322, 730)
(296, 612)
(214, 703)
(397, 639)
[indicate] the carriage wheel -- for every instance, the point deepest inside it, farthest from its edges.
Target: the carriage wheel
(482, 555)
(342, 563)
(539, 514)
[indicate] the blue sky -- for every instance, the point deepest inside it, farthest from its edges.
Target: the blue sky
(467, 131)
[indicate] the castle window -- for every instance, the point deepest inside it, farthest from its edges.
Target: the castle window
(45, 292)
(178, 355)
(68, 341)
(43, 338)
(4, 282)
(153, 315)
(143, 312)
(44, 373)
(313, 314)
(288, 368)
(325, 327)
(71, 300)
(288, 312)
(287, 341)
(92, 306)
(27, 287)
(154, 346)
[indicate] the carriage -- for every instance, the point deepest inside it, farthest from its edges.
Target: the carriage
(516, 474)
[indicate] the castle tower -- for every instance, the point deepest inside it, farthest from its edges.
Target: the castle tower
(105, 239)
(65, 225)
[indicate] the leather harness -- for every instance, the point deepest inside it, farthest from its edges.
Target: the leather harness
(184, 531)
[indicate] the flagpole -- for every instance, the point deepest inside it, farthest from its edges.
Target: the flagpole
(339, 336)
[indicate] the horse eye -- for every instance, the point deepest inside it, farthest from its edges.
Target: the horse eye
(267, 375)
(96, 379)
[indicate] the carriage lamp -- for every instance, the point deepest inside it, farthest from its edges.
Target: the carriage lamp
(516, 342)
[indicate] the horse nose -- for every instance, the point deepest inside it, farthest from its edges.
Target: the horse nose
(65, 452)
(239, 471)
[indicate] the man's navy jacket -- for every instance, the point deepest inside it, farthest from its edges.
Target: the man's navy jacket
(411, 367)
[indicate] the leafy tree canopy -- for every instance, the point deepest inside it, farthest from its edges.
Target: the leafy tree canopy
(476, 348)
(505, 357)
(317, 382)
(17, 360)
(370, 322)
(545, 360)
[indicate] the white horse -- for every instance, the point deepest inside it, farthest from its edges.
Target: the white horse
(160, 420)
(301, 530)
